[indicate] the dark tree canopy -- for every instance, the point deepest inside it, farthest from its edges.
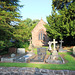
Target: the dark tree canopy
(61, 25)
(8, 13)
(59, 4)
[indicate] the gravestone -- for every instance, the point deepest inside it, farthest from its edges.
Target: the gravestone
(74, 50)
(53, 58)
(12, 50)
(61, 44)
(54, 53)
(41, 52)
(61, 49)
(21, 50)
(30, 45)
(54, 43)
(50, 45)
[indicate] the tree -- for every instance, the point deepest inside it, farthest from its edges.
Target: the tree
(23, 29)
(8, 13)
(59, 4)
(22, 32)
(62, 24)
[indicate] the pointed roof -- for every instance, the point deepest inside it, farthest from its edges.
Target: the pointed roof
(41, 21)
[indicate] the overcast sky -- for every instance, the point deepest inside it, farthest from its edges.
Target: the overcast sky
(35, 9)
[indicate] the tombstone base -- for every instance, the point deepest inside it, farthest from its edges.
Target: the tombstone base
(54, 58)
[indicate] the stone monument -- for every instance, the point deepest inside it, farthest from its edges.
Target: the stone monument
(54, 53)
(41, 53)
(53, 58)
(50, 45)
(21, 50)
(74, 50)
(30, 45)
(61, 49)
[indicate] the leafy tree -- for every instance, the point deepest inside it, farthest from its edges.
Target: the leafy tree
(22, 32)
(8, 13)
(59, 4)
(62, 24)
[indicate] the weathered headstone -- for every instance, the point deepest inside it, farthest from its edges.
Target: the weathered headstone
(21, 50)
(61, 44)
(41, 53)
(12, 50)
(50, 45)
(74, 50)
(61, 49)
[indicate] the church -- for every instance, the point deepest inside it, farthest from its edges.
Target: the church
(39, 35)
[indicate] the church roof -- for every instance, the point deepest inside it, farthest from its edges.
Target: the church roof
(41, 21)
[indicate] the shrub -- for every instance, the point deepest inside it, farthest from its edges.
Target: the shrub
(20, 44)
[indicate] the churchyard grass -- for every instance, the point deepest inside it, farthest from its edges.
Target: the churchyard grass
(70, 65)
(35, 50)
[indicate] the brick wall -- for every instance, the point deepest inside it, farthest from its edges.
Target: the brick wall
(35, 34)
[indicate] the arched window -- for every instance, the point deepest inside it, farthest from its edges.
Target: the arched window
(41, 36)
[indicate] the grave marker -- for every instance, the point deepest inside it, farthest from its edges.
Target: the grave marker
(50, 45)
(54, 43)
(61, 43)
(74, 50)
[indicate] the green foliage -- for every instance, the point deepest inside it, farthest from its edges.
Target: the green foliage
(61, 25)
(8, 13)
(21, 44)
(59, 4)
(23, 30)
(6, 43)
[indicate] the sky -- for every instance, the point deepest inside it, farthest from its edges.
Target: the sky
(35, 9)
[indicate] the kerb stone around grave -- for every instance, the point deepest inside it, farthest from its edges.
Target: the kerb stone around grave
(7, 59)
(74, 50)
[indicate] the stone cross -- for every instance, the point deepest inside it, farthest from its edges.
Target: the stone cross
(50, 45)
(54, 42)
(30, 40)
(61, 43)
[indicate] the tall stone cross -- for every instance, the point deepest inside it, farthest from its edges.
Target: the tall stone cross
(54, 42)
(61, 43)
(50, 45)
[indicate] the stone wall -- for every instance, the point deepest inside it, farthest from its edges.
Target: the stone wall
(33, 71)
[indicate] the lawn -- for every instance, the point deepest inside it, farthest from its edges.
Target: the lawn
(68, 66)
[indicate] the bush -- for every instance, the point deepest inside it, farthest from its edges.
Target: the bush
(20, 44)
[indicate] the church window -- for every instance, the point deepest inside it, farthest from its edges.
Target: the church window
(39, 36)
(42, 36)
